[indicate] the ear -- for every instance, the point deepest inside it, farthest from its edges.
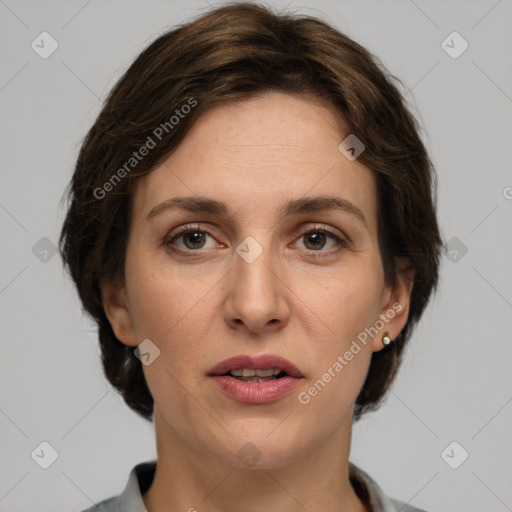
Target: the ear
(395, 305)
(117, 310)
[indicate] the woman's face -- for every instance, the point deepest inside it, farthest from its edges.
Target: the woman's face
(305, 287)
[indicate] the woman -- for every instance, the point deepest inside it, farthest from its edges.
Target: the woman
(251, 224)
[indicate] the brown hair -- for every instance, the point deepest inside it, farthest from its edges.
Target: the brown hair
(227, 54)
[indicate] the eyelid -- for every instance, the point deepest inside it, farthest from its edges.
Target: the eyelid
(318, 226)
(188, 228)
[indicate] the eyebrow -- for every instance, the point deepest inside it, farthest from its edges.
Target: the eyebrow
(199, 204)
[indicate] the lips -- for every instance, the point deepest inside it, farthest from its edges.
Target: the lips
(261, 362)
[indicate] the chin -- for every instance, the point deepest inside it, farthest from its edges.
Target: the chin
(262, 452)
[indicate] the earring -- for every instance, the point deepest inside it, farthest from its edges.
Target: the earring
(386, 339)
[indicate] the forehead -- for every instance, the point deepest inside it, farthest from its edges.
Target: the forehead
(255, 154)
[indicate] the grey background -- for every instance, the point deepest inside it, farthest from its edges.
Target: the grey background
(455, 384)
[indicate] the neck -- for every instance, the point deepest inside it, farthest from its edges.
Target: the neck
(193, 479)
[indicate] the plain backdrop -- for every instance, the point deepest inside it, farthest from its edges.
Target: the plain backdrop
(456, 381)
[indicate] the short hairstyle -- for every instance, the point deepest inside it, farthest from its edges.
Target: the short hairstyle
(229, 54)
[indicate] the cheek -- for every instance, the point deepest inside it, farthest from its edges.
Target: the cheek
(350, 301)
(343, 361)
(348, 305)
(154, 305)
(157, 301)
(172, 307)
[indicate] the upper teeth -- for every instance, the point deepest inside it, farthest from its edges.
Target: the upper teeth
(250, 372)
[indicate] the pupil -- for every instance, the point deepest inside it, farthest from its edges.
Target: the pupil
(318, 240)
(194, 235)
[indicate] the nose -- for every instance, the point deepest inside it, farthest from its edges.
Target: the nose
(256, 296)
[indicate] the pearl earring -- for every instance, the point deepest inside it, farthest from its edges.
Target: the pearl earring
(386, 339)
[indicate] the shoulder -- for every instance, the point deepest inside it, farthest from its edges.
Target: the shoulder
(130, 499)
(377, 499)
(109, 505)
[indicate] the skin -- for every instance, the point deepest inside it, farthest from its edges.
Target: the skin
(209, 304)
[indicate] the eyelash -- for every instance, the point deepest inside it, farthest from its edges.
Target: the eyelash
(342, 242)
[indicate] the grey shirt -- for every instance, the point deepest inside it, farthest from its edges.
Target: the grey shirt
(141, 477)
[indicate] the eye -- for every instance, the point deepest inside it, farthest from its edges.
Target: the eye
(316, 239)
(189, 239)
(192, 238)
